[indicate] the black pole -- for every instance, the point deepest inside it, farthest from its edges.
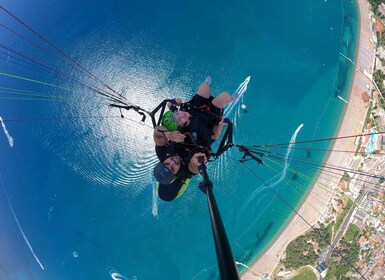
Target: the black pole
(227, 267)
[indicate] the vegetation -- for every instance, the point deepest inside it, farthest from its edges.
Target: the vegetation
(379, 78)
(300, 252)
(381, 102)
(345, 177)
(352, 233)
(341, 217)
(369, 114)
(377, 15)
(339, 267)
(305, 274)
(375, 4)
(381, 40)
(358, 146)
(325, 232)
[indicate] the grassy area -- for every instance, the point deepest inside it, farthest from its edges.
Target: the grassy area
(342, 216)
(368, 115)
(305, 274)
(352, 233)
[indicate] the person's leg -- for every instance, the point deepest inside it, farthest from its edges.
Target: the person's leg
(222, 100)
(204, 88)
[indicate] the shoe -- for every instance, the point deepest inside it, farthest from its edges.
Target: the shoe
(234, 96)
(207, 80)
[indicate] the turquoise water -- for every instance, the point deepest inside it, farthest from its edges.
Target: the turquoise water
(371, 145)
(77, 189)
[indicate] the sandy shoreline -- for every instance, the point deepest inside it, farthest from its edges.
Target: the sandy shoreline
(313, 207)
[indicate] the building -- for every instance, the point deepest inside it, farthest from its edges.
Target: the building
(381, 9)
(322, 269)
(360, 215)
(380, 28)
(359, 218)
(382, 142)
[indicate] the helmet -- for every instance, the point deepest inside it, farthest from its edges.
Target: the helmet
(169, 121)
(163, 175)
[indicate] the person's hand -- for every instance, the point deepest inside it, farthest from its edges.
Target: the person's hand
(175, 136)
(194, 163)
(222, 123)
(196, 157)
(177, 101)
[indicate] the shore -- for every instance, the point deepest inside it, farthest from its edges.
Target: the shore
(313, 208)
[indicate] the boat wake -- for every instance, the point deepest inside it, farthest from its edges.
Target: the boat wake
(258, 191)
(21, 230)
(288, 151)
(9, 137)
(283, 174)
(115, 275)
(246, 266)
(240, 90)
(154, 201)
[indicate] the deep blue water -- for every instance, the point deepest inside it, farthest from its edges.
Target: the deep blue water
(78, 182)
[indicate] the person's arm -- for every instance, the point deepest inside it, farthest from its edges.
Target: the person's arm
(218, 129)
(194, 162)
(162, 136)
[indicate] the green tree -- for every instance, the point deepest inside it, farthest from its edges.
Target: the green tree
(295, 257)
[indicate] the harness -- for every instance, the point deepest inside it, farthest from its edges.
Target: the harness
(227, 138)
(204, 109)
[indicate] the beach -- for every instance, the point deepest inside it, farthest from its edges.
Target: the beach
(315, 206)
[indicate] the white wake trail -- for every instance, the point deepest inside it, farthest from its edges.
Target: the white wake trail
(115, 275)
(288, 151)
(240, 90)
(282, 175)
(22, 232)
(10, 138)
(154, 202)
(246, 266)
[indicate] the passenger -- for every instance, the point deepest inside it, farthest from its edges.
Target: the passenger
(177, 165)
(201, 118)
(187, 135)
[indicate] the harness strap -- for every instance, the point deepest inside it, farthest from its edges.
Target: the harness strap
(205, 108)
(227, 140)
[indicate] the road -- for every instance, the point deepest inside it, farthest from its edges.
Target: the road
(344, 225)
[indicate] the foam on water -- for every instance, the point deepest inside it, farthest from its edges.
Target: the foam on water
(154, 201)
(283, 173)
(246, 266)
(21, 229)
(9, 137)
(287, 161)
(115, 275)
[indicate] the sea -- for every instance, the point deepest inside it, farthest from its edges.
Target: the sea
(77, 192)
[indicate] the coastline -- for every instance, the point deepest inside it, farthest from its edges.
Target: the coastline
(351, 124)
